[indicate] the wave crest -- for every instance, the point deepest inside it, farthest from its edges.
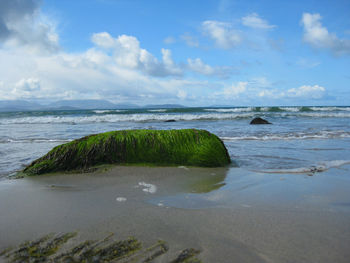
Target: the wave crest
(291, 136)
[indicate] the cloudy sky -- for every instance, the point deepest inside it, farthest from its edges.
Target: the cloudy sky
(195, 53)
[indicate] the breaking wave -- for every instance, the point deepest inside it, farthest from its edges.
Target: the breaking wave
(279, 109)
(180, 114)
(107, 111)
(231, 110)
(33, 140)
(291, 136)
(158, 110)
(124, 117)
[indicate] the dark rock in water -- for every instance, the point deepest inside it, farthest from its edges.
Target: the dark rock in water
(259, 120)
(170, 121)
(143, 147)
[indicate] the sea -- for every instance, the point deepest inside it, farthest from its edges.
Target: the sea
(299, 140)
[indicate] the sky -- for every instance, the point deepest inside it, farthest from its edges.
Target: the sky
(193, 52)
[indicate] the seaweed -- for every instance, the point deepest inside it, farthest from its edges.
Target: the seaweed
(49, 249)
(187, 255)
(38, 250)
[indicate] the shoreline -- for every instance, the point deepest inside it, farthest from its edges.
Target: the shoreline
(252, 217)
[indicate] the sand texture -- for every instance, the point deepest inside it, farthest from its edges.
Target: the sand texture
(226, 214)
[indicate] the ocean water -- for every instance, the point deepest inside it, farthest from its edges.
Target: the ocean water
(300, 139)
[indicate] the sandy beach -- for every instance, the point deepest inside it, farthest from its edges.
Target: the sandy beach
(174, 131)
(229, 214)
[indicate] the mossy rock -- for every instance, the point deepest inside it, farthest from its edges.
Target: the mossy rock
(134, 147)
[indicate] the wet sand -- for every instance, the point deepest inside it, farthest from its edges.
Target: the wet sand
(230, 214)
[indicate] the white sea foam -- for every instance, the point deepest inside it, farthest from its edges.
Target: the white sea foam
(102, 111)
(282, 108)
(157, 110)
(231, 109)
(120, 199)
(149, 188)
(324, 114)
(324, 108)
(107, 111)
(335, 163)
(32, 140)
(292, 109)
(264, 108)
(320, 167)
(330, 108)
(113, 116)
(291, 136)
(301, 170)
(123, 117)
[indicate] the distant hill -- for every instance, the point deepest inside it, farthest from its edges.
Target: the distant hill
(22, 105)
(18, 105)
(82, 104)
(126, 106)
(92, 104)
(166, 106)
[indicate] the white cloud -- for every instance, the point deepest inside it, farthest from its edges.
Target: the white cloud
(198, 66)
(234, 90)
(190, 40)
(104, 40)
(22, 25)
(312, 92)
(260, 82)
(128, 53)
(302, 92)
(30, 84)
(170, 67)
(95, 57)
(271, 93)
(222, 33)
(3, 93)
(261, 90)
(182, 94)
(169, 40)
(93, 74)
(116, 68)
(226, 36)
(27, 88)
(254, 21)
(318, 36)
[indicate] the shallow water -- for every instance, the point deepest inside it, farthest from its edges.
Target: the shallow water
(300, 137)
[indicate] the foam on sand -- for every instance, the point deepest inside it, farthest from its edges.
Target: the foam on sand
(318, 168)
(148, 188)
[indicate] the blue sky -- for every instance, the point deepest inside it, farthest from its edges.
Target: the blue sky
(195, 53)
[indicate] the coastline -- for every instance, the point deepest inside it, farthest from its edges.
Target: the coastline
(249, 216)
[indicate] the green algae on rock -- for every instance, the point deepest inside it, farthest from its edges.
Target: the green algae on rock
(190, 147)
